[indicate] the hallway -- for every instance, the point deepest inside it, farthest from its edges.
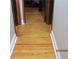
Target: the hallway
(33, 38)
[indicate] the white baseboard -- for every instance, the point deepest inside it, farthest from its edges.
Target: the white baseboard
(55, 46)
(12, 44)
(22, 22)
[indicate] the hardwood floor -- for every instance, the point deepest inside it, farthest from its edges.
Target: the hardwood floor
(34, 40)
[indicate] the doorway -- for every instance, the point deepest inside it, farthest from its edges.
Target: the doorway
(44, 6)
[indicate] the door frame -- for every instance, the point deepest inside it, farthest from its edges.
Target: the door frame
(23, 11)
(18, 11)
(14, 11)
(49, 8)
(51, 13)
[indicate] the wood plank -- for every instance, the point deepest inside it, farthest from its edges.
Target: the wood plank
(33, 40)
(33, 52)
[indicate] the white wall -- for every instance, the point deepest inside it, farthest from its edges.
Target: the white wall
(12, 32)
(60, 25)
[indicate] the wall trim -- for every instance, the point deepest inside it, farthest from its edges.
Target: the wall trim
(22, 21)
(55, 46)
(12, 43)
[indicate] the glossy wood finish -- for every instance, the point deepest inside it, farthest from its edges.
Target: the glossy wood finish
(34, 40)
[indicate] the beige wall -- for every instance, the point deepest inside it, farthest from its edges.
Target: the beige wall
(60, 25)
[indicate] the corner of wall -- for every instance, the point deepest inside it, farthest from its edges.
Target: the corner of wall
(12, 43)
(55, 46)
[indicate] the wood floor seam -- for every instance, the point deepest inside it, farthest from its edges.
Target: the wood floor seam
(33, 38)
